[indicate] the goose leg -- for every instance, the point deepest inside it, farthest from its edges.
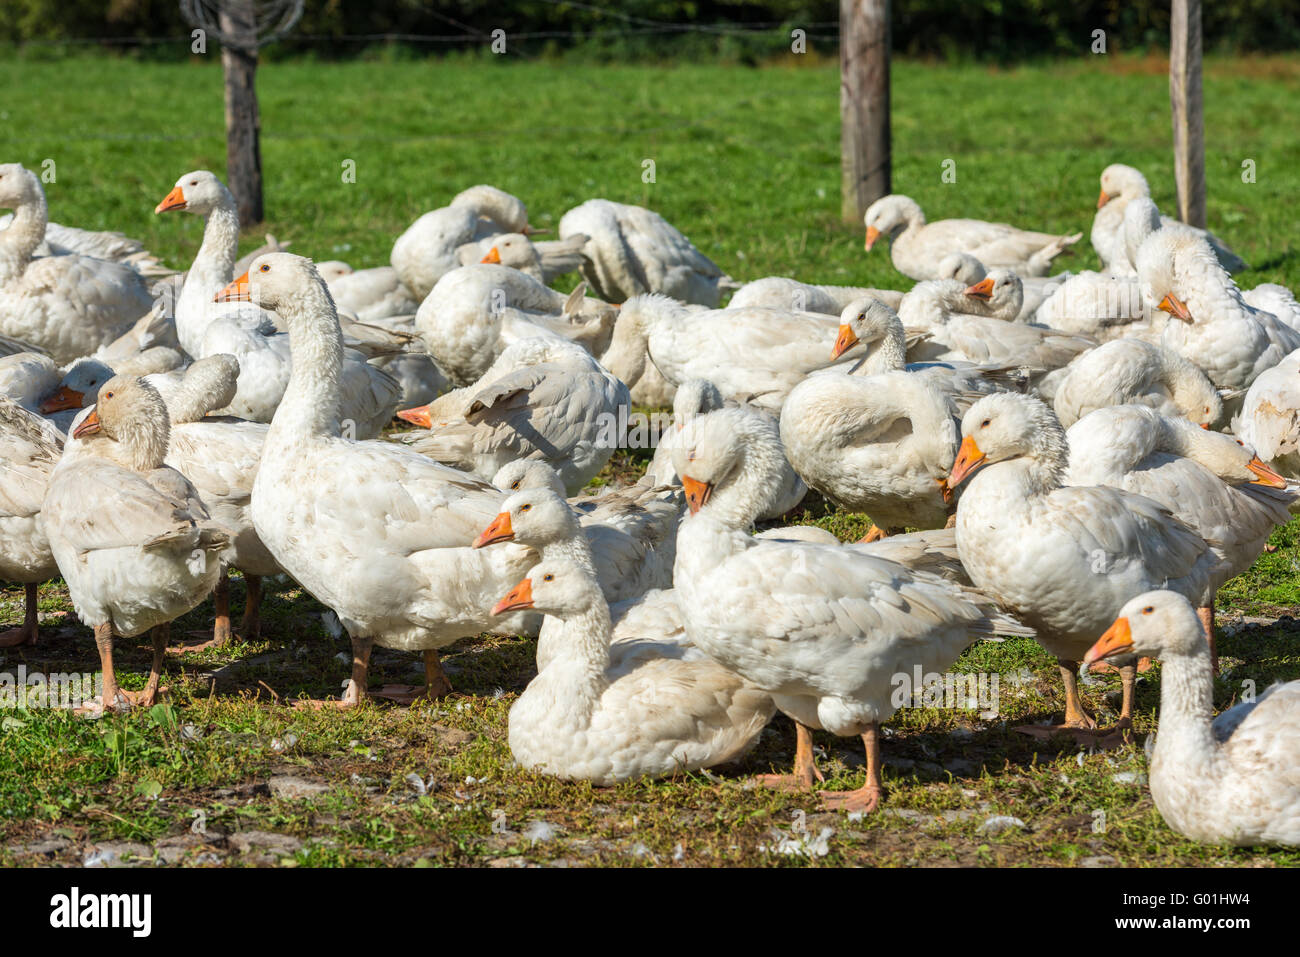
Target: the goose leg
(874, 534)
(867, 797)
(146, 698)
(1075, 715)
(104, 642)
(356, 693)
(221, 611)
(251, 628)
(805, 765)
(436, 682)
(1206, 614)
(24, 634)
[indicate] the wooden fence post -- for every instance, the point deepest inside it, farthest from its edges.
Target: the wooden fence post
(243, 123)
(864, 105)
(1186, 108)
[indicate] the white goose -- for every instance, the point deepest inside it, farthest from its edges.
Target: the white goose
(627, 560)
(632, 251)
(376, 532)
(1270, 416)
(1120, 186)
(369, 396)
(544, 398)
(1131, 371)
(67, 306)
(824, 629)
(427, 250)
(917, 246)
(585, 719)
(220, 455)
(779, 292)
(476, 311)
(1062, 558)
(628, 359)
(754, 355)
(29, 448)
(1209, 481)
(131, 536)
(543, 261)
(1226, 780)
(1219, 331)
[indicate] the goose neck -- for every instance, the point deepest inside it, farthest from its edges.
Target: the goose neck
(26, 232)
(310, 405)
(580, 657)
(1186, 707)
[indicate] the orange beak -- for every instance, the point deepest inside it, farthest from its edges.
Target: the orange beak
(237, 291)
(1117, 640)
(1102, 200)
(63, 398)
(498, 531)
(493, 256)
(981, 290)
(872, 235)
(521, 596)
(173, 200)
(969, 458)
(89, 425)
(845, 341)
(1266, 475)
(1175, 307)
(697, 493)
(417, 416)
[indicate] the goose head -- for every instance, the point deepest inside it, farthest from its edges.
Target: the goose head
(199, 192)
(558, 587)
(1228, 457)
(1162, 265)
(128, 424)
(1120, 180)
(1156, 624)
(695, 397)
(1001, 291)
(535, 517)
(1006, 426)
(525, 474)
(18, 186)
(333, 269)
(276, 281)
(79, 387)
(889, 216)
(514, 250)
(728, 461)
(640, 314)
(210, 383)
(867, 321)
(963, 267)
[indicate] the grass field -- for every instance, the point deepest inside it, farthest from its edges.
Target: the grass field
(747, 165)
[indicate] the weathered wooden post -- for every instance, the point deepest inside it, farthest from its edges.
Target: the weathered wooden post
(243, 26)
(1186, 109)
(864, 105)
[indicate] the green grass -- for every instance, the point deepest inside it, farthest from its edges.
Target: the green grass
(747, 164)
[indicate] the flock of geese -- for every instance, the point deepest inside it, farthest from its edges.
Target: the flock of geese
(1084, 458)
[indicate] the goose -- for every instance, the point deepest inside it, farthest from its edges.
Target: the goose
(779, 292)
(1062, 558)
(627, 560)
(754, 355)
(1209, 481)
(1132, 371)
(427, 250)
(608, 506)
(1226, 780)
(583, 719)
(1269, 421)
(374, 531)
(697, 398)
(370, 294)
(476, 311)
(369, 396)
(1120, 186)
(917, 246)
(969, 271)
(81, 381)
(633, 251)
(28, 378)
(544, 261)
(627, 358)
(30, 449)
(883, 439)
(131, 536)
(220, 456)
(107, 245)
(1278, 300)
(1232, 342)
(67, 306)
(824, 629)
(971, 324)
(545, 398)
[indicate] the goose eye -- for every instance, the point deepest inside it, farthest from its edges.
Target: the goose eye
(524, 508)
(1148, 609)
(194, 182)
(985, 423)
(515, 484)
(265, 268)
(108, 395)
(548, 578)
